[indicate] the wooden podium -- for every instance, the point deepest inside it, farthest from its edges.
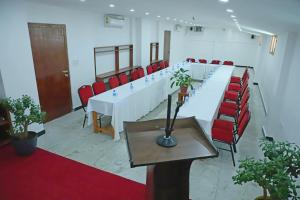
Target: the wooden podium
(168, 169)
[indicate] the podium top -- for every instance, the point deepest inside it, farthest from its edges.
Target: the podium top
(143, 149)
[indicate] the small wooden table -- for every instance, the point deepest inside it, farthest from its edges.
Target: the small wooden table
(109, 130)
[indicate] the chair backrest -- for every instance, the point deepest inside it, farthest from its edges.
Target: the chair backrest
(166, 63)
(243, 123)
(123, 78)
(245, 76)
(149, 69)
(155, 67)
(193, 60)
(202, 61)
(227, 62)
(161, 64)
(216, 62)
(188, 59)
(134, 74)
(85, 92)
(99, 87)
(141, 72)
(241, 114)
(113, 82)
(245, 98)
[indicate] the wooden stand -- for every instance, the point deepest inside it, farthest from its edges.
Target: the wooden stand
(116, 50)
(168, 169)
(106, 130)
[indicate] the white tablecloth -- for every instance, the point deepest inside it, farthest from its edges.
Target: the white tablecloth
(204, 105)
(132, 104)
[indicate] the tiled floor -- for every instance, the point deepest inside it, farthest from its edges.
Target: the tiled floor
(209, 179)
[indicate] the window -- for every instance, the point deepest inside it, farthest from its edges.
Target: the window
(273, 44)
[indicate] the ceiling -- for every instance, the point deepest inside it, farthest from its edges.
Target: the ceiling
(266, 15)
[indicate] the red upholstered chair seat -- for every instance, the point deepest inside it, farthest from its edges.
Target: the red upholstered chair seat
(123, 78)
(155, 67)
(134, 75)
(227, 62)
(202, 61)
(234, 87)
(149, 69)
(99, 87)
(113, 82)
(166, 62)
(216, 62)
(141, 72)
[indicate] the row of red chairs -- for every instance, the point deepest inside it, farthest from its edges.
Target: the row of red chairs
(204, 61)
(235, 106)
(157, 66)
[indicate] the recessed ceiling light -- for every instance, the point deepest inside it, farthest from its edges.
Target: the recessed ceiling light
(131, 10)
(167, 18)
(112, 5)
(82, 0)
(224, 1)
(232, 16)
(229, 10)
(158, 16)
(234, 19)
(175, 19)
(191, 23)
(146, 13)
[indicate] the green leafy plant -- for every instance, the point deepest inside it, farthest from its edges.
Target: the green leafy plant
(273, 173)
(181, 78)
(25, 112)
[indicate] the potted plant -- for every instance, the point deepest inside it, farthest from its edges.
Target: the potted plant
(273, 175)
(182, 79)
(24, 112)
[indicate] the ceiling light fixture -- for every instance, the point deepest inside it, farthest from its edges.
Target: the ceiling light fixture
(82, 0)
(131, 10)
(158, 16)
(232, 16)
(146, 13)
(175, 19)
(111, 5)
(167, 18)
(224, 1)
(229, 10)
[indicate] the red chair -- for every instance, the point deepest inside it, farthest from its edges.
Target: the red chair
(123, 78)
(161, 65)
(166, 63)
(202, 61)
(193, 60)
(141, 72)
(149, 69)
(223, 131)
(215, 62)
(227, 62)
(85, 92)
(236, 79)
(113, 82)
(188, 59)
(237, 105)
(99, 87)
(134, 74)
(155, 67)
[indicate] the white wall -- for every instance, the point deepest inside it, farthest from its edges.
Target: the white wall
(15, 54)
(85, 30)
(277, 77)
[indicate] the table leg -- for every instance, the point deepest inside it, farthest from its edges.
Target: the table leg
(109, 130)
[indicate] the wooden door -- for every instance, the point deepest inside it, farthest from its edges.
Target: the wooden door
(50, 57)
(167, 43)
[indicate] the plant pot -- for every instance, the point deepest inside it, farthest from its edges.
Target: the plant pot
(25, 147)
(183, 89)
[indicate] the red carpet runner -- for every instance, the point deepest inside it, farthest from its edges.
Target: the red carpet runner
(47, 176)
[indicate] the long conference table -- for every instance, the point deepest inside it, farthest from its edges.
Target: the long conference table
(137, 98)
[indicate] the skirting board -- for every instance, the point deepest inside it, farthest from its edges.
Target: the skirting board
(243, 66)
(41, 133)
